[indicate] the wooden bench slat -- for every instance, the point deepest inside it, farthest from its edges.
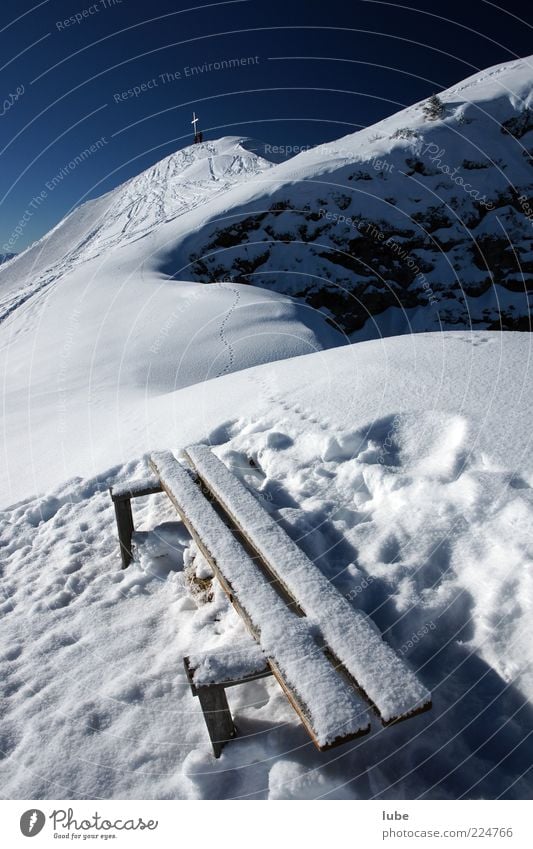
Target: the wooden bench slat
(389, 684)
(326, 703)
(135, 488)
(227, 666)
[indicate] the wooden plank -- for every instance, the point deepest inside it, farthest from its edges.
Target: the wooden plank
(121, 495)
(132, 489)
(181, 489)
(217, 716)
(226, 674)
(125, 529)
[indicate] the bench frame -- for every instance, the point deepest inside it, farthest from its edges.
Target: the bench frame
(125, 527)
(215, 708)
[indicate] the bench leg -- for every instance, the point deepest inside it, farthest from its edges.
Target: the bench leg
(125, 529)
(217, 716)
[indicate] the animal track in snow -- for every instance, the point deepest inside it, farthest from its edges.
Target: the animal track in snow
(308, 417)
(222, 332)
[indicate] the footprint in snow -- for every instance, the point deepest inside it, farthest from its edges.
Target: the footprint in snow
(13, 652)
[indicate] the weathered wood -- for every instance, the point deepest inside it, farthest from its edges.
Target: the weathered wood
(217, 716)
(214, 704)
(253, 542)
(121, 495)
(125, 529)
(293, 697)
(123, 492)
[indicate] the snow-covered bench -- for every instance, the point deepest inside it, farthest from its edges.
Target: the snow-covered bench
(327, 704)
(381, 675)
(325, 654)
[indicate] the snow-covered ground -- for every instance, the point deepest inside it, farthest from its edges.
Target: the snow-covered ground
(91, 330)
(412, 223)
(82, 362)
(403, 468)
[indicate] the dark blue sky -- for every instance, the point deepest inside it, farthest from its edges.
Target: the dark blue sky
(325, 68)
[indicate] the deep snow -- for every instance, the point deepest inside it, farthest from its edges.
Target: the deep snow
(409, 224)
(403, 468)
(82, 362)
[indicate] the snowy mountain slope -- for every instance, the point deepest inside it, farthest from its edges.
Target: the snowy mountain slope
(96, 331)
(82, 362)
(419, 221)
(422, 222)
(6, 257)
(170, 189)
(404, 468)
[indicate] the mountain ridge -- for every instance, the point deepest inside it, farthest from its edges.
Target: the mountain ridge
(452, 192)
(415, 223)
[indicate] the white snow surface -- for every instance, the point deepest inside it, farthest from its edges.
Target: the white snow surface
(91, 329)
(403, 468)
(82, 363)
